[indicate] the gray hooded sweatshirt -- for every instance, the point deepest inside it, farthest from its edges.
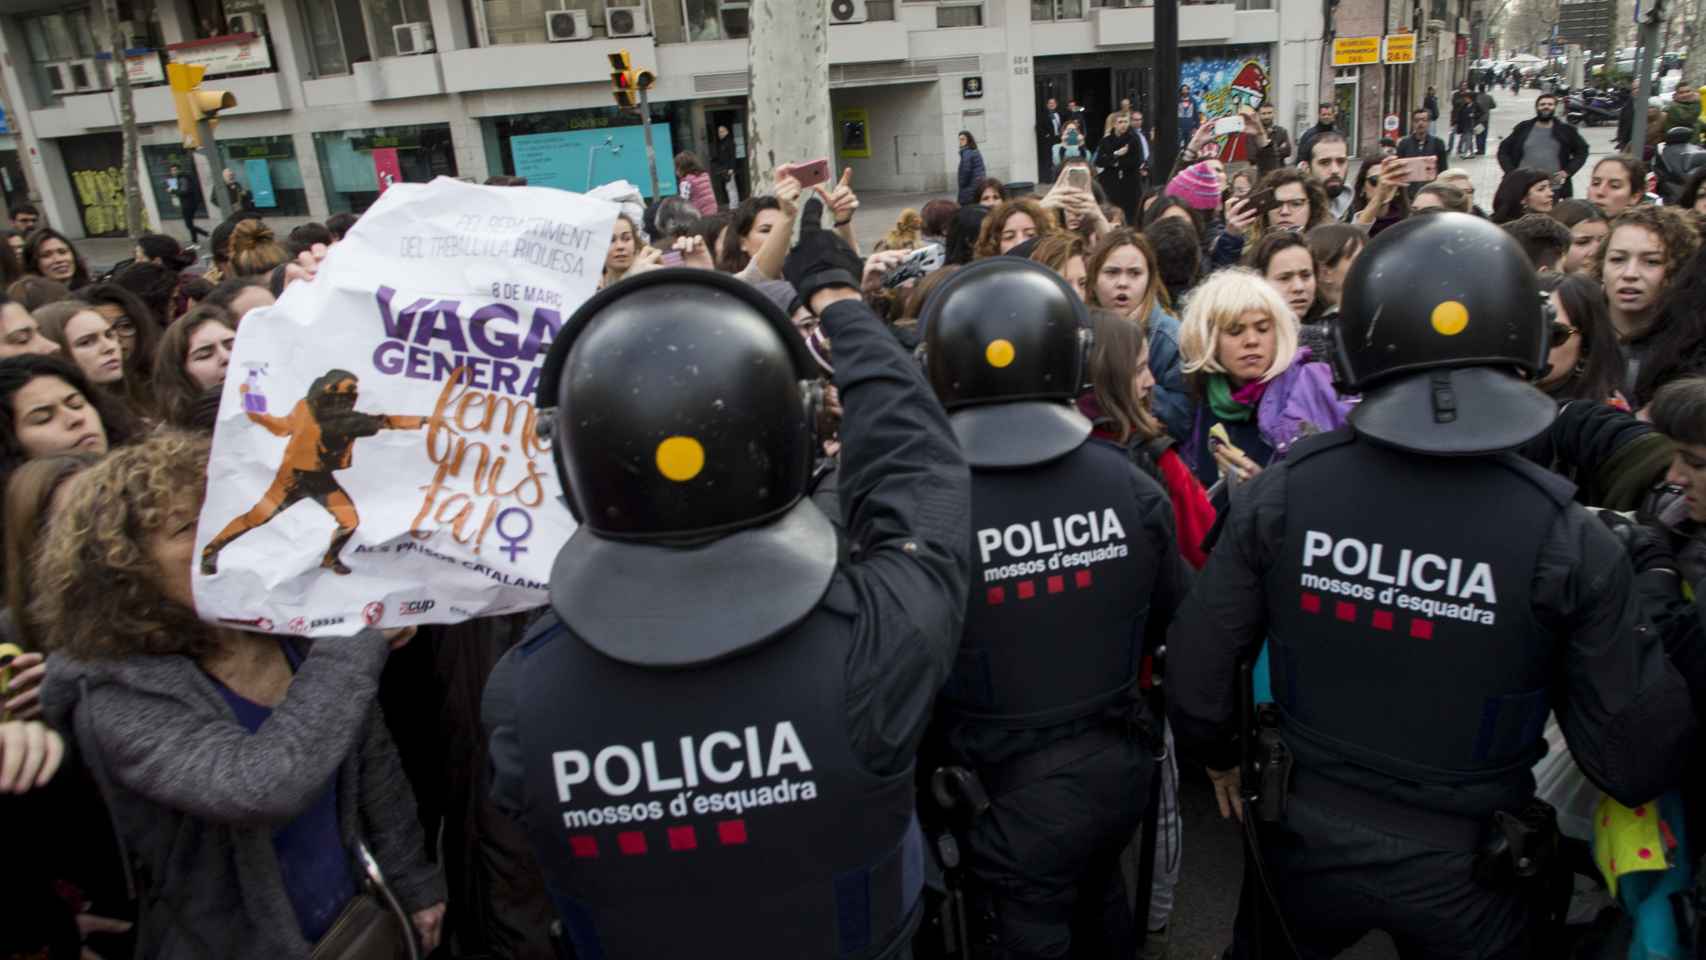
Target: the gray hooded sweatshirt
(198, 797)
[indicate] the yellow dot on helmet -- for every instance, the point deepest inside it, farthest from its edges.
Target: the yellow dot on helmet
(999, 353)
(1449, 318)
(680, 458)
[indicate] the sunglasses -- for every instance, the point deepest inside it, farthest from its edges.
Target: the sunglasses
(1561, 333)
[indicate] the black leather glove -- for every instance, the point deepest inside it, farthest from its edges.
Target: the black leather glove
(1647, 543)
(819, 261)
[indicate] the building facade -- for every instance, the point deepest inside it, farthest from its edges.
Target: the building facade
(338, 97)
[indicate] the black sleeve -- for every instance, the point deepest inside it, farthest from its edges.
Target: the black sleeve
(1171, 579)
(1623, 707)
(1578, 150)
(1223, 622)
(906, 493)
(497, 717)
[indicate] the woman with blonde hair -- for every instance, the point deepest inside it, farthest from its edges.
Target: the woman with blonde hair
(1249, 378)
(243, 771)
(1010, 224)
(908, 233)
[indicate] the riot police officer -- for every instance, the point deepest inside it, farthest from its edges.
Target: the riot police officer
(1075, 574)
(1426, 597)
(710, 735)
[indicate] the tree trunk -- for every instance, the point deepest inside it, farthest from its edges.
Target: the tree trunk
(1693, 37)
(134, 224)
(789, 119)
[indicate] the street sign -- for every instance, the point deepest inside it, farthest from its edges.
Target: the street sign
(1355, 51)
(1401, 48)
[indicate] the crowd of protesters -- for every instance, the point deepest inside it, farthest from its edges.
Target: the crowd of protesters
(233, 776)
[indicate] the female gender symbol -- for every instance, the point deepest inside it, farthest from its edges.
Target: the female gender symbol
(512, 542)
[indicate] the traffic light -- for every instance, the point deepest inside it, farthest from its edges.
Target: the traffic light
(623, 83)
(194, 103)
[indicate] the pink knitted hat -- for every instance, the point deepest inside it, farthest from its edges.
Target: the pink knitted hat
(1197, 186)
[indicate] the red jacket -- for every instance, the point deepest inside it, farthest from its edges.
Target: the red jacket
(1193, 515)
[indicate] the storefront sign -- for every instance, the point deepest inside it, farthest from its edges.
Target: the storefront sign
(1355, 51)
(1401, 48)
(579, 160)
(381, 415)
(237, 53)
(387, 168)
(143, 66)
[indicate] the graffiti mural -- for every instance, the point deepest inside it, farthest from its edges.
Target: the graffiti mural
(95, 165)
(1221, 83)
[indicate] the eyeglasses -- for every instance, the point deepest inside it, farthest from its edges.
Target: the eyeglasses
(1561, 333)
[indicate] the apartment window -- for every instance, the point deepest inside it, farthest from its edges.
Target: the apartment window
(1057, 9)
(1255, 4)
(61, 50)
(409, 19)
(337, 35)
(959, 15)
(523, 21)
(879, 9)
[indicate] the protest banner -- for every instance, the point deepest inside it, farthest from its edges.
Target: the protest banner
(377, 459)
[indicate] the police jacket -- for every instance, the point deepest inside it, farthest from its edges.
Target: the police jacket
(1076, 574)
(1467, 638)
(760, 804)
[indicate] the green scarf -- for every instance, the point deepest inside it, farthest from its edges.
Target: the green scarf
(1220, 401)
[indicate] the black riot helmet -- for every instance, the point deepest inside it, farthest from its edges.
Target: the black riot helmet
(682, 407)
(1440, 327)
(1004, 345)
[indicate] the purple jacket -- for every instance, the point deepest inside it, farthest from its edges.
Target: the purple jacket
(1298, 403)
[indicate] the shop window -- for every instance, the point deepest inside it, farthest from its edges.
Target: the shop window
(356, 164)
(400, 27)
(578, 149)
(337, 35)
(268, 169)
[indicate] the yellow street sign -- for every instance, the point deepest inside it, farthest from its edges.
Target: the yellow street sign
(1355, 51)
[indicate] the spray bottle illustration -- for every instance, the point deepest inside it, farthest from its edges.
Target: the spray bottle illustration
(254, 401)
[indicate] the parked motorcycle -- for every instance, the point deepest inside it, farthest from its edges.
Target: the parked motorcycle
(1591, 106)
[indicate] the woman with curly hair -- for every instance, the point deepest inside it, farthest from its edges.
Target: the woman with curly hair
(190, 368)
(991, 192)
(243, 771)
(1643, 254)
(1011, 224)
(33, 492)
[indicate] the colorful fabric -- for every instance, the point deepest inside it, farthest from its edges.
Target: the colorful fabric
(1197, 186)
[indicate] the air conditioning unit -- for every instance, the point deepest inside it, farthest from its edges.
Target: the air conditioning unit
(412, 38)
(562, 25)
(737, 22)
(243, 23)
(85, 75)
(58, 76)
(847, 11)
(626, 21)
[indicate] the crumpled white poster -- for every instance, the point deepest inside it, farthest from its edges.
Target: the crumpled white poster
(377, 460)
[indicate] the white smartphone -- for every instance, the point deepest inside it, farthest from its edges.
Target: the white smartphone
(1226, 125)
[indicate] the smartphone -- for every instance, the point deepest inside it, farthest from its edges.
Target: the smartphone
(1078, 177)
(920, 263)
(810, 173)
(1261, 201)
(670, 258)
(1419, 169)
(1226, 125)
